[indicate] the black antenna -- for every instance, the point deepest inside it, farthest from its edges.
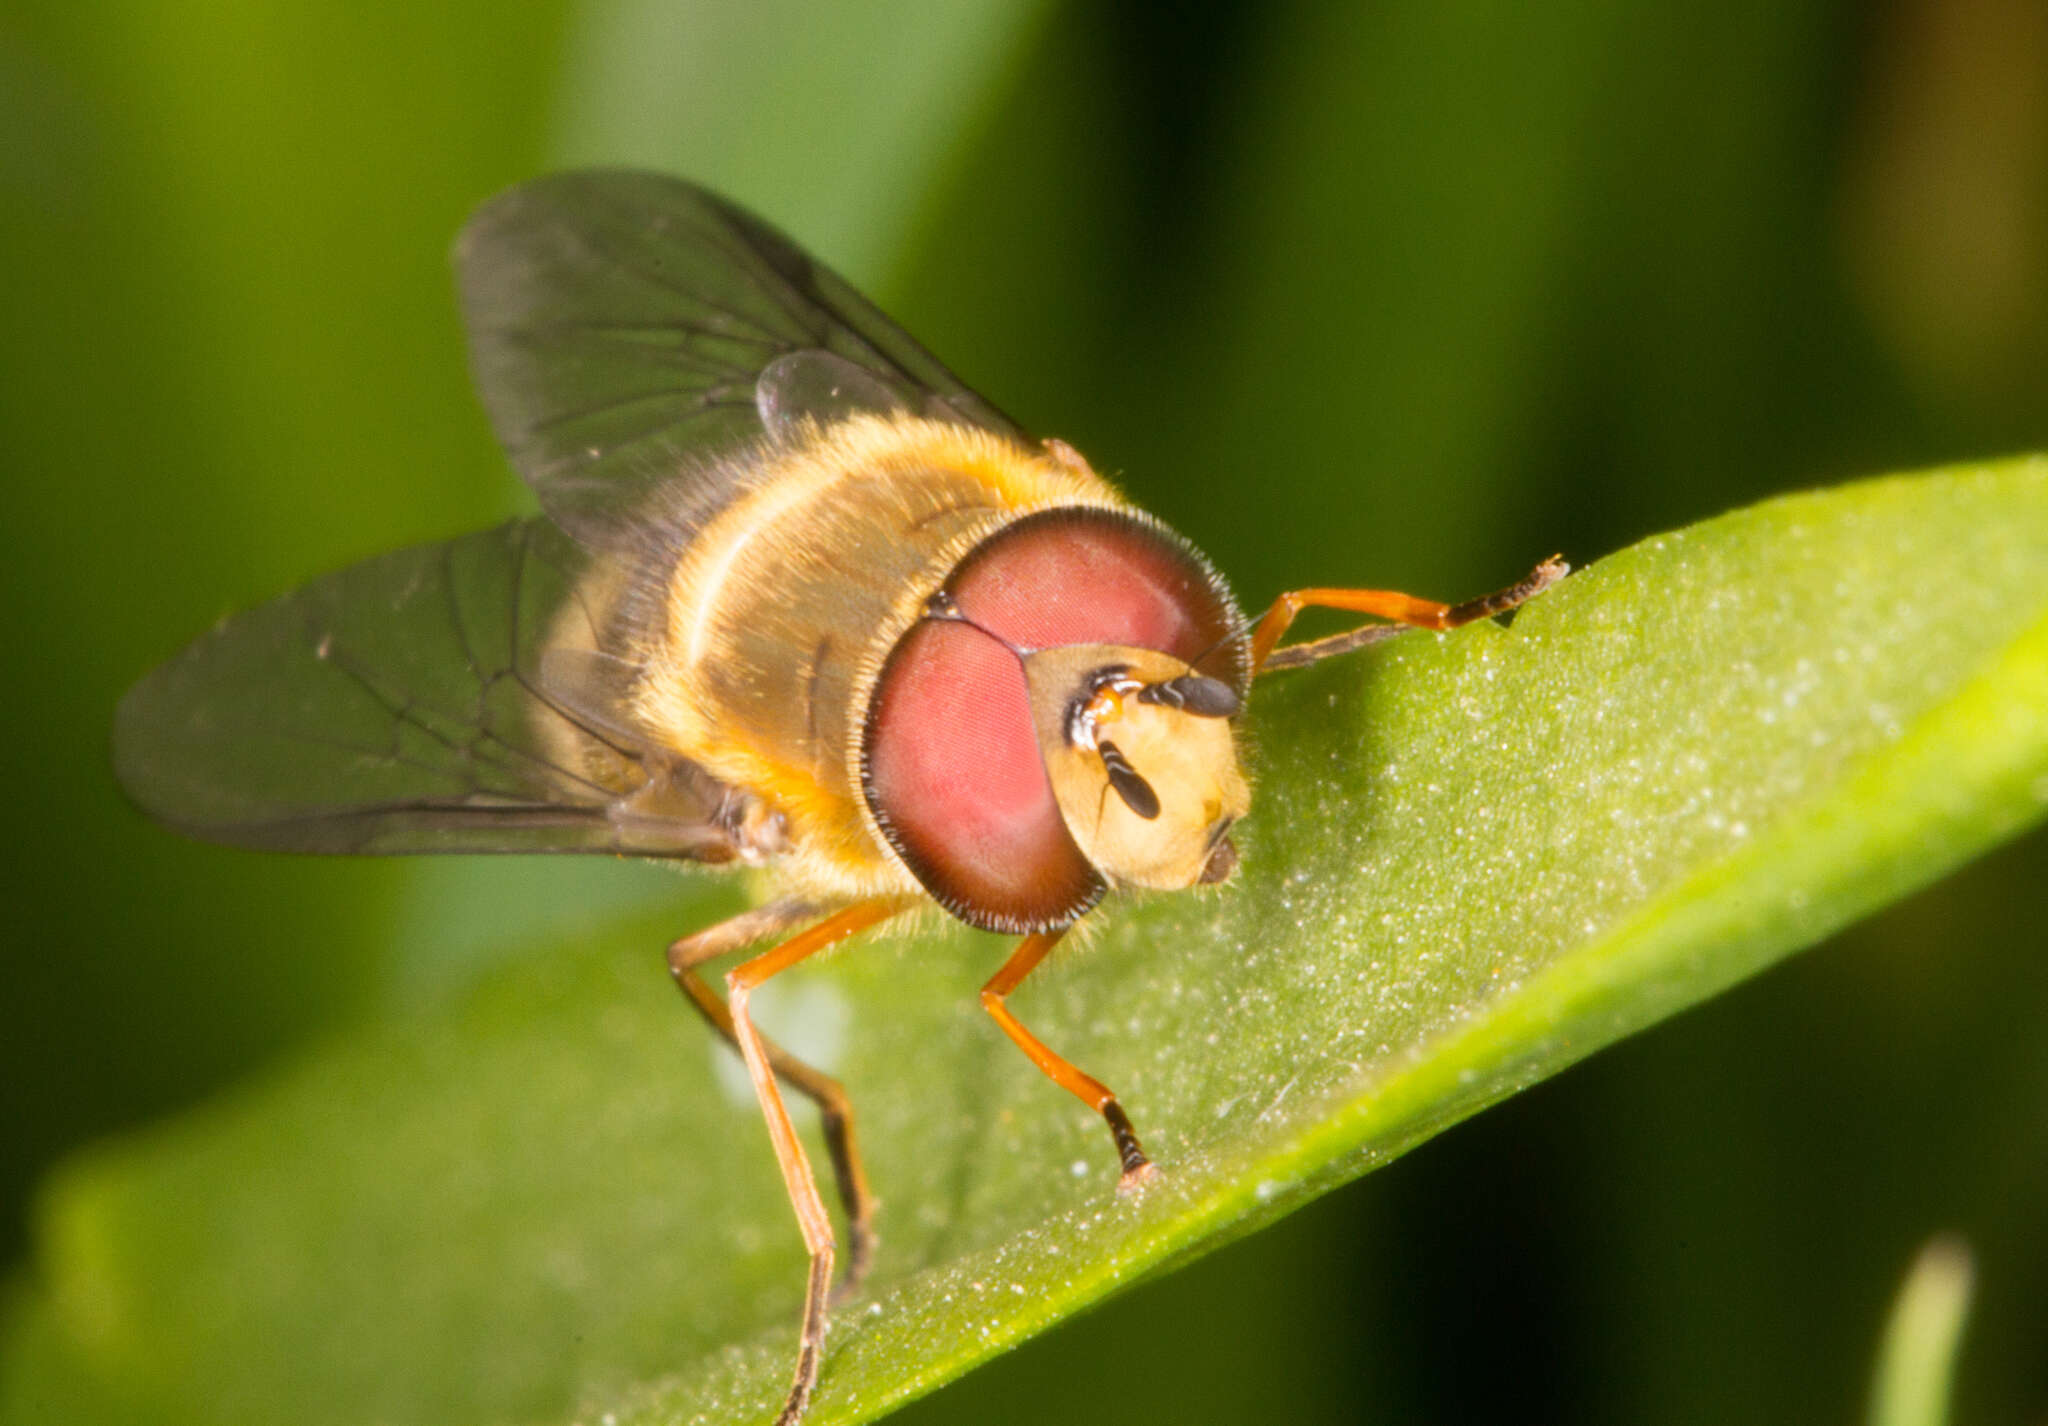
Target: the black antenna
(1194, 693)
(1133, 789)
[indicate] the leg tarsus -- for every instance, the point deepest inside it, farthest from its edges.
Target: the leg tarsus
(1137, 1168)
(810, 1352)
(1133, 1179)
(1520, 592)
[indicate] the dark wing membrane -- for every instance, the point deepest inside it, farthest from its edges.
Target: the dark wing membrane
(620, 326)
(394, 706)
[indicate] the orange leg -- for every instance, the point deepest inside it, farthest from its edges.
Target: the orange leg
(1090, 1091)
(1385, 604)
(835, 1110)
(740, 984)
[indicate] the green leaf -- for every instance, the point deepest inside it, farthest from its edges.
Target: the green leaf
(1473, 859)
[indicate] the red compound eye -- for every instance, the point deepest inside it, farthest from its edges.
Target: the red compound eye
(953, 770)
(956, 779)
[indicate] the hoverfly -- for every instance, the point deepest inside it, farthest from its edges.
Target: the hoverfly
(798, 600)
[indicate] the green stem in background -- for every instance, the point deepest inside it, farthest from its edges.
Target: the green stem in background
(1917, 1359)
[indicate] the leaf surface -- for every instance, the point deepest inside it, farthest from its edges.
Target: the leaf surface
(1473, 859)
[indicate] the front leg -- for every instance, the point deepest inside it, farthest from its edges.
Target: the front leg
(1089, 1090)
(1385, 604)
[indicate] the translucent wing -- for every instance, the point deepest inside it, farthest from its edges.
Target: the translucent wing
(626, 328)
(407, 704)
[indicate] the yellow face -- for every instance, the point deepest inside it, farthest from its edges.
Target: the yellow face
(1142, 761)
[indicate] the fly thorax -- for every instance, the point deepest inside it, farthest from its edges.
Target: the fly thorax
(1139, 750)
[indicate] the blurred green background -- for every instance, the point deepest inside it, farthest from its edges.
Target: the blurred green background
(1408, 294)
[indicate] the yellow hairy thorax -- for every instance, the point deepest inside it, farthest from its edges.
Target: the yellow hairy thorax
(782, 608)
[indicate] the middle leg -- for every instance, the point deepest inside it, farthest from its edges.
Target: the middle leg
(740, 984)
(835, 1109)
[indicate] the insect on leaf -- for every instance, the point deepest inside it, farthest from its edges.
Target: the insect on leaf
(1476, 859)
